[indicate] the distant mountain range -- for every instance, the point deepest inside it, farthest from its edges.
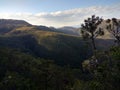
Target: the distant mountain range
(66, 30)
(10, 24)
(7, 25)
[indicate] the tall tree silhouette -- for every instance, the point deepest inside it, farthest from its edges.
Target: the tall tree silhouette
(90, 29)
(113, 26)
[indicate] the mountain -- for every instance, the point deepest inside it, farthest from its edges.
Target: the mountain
(107, 34)
(4, 22)
(70, 30)
(107, 40)
(45, 28)
(65, 30)
(7, 25)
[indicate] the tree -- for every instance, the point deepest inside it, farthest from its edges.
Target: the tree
(90, 29)
(114, 28)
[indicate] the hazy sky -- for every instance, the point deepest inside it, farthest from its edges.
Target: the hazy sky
(58, 12)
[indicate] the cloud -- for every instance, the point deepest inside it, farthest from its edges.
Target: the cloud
(65, 18)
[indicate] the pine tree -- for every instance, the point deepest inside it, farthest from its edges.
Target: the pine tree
(114, 28)
(90, 29)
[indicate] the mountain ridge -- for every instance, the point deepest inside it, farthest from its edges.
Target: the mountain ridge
(7, 25)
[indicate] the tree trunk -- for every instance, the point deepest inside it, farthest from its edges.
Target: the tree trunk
(93, 42)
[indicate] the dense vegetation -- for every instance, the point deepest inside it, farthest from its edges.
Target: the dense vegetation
(105, 71)
(20, 71)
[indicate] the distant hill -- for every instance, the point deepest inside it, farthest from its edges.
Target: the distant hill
(7, 25)
(70, 30)
(13, 22)
(107, 34)
(45, 28)
(65, 30)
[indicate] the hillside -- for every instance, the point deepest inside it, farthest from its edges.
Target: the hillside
(70, 30)
(63, 49)
(107, 34)
(66, 30)
(7, 25)
(20, 71)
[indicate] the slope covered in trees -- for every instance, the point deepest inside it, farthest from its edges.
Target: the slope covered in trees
(19, 71)
(22, 71)
(63, 49)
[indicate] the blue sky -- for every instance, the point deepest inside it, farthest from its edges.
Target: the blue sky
(57, 12)
(36, 6)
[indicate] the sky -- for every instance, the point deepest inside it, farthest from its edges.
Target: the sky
(58, 13)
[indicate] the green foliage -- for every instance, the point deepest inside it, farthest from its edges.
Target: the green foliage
(19, 71)
(106, 71)
(115, 52)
